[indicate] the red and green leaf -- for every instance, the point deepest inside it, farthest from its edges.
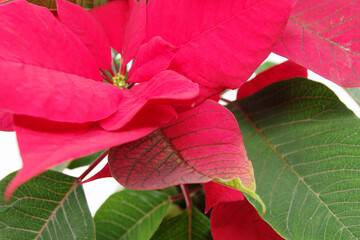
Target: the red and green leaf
(202, 144)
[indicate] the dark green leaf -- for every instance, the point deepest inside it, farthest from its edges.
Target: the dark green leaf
(49, 206)
(304, 145)
(179, 228)
(130, 214)
(84, 161)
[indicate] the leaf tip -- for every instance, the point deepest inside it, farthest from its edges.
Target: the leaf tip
(237, 184)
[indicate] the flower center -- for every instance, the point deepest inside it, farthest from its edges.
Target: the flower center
(119, 80)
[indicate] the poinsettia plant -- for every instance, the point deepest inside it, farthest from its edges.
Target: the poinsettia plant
(139, 82)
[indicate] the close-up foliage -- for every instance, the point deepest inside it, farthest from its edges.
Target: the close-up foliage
(143, 88)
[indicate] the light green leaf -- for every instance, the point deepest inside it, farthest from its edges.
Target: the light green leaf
(49, 206)
(179, 228)
(131, 215)
(264, 66)
(304, 145)
(355, 93)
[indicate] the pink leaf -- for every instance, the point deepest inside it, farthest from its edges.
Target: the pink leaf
(152, 57)
(87, 29)
(6, 121)
(239, 220)
(47, 72)
(226, 40)
(44, 144)
(167, 87)
(323, 36)
(26, 38)
(216, 193)
(134, 30)
(112, 17)
(201, 144)
(283, 71)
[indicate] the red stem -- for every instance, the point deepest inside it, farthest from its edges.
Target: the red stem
(186, 195)
(189, 207)
(181, 196)
(93, 165)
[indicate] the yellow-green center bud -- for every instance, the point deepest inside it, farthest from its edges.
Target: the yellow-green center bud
(119, 81)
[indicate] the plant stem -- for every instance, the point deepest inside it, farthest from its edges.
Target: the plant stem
(186, 195)
(181, 196)
(93, 165)
(189, 207)
(225, 100)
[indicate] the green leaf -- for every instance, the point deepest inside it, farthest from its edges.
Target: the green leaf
(49, 206)
(84, 161)
(264, 66)
(304, 146)
(179, 228)
(355, 93)
(130, 214)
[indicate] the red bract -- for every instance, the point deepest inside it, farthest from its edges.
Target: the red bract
(321, 35)
(219, 44)
(52, 85)
(202, 144)
(217, 193)
(239, 220)
(283, 71)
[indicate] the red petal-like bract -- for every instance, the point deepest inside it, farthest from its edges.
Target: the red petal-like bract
(87, 29)
(44, 144)
(47, 72)
(323, 36)
(201, 144)
(220, 43)
(216, 193)
(240, 221)
(283, 71)
(134, 30)
(112, 17)
(167, 87)
(6, 121)
(152, 57)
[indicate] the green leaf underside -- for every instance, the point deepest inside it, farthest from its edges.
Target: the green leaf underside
(130, 214)
(178, 227)
(84, 161)
(49, 206)
(304, 146)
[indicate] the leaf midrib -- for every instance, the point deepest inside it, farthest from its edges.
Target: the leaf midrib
(56, 209)
(143, 217)
(289, 166)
